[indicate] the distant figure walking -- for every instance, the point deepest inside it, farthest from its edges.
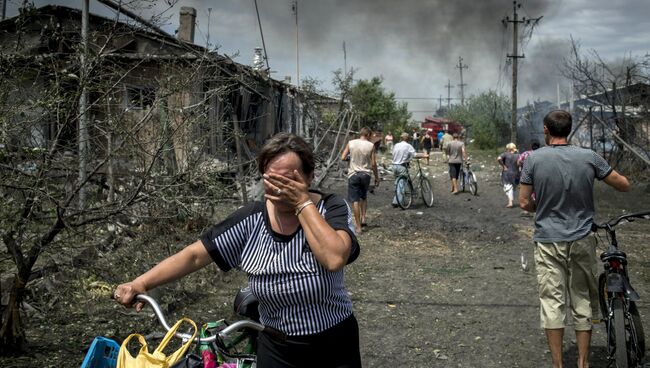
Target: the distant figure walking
(456, 154)
(444, 141)
(509, 171)
(363, 161)
(427, 144)
(416, 139)
(524, 155)
(389, 141)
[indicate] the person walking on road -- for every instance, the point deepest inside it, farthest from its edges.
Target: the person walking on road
(439, 140)
(389, 141)
(509, 171)
(427, 144)
(520, 163)
(416, 139)
(562, 177)
(444, 141)
(456, 154)
(403, 152)
(363, 161)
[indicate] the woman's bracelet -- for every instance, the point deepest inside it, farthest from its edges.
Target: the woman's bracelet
(302, 206)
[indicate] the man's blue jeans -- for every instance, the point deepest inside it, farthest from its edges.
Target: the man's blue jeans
(398, 170)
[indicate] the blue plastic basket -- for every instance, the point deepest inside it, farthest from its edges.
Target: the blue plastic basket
(102, 354)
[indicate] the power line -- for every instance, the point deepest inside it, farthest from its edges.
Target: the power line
(416, 98)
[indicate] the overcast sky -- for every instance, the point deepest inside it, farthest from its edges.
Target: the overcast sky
(413, 44)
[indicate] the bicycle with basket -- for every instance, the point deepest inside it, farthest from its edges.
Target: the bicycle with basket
(617, 299)
(221, 344)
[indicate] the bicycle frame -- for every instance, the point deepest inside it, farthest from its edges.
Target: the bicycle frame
(617, 298)
(224, 335)
(416, 186)
(467, 179)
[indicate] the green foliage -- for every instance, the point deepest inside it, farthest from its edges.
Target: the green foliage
(378, 108)
(486, 118)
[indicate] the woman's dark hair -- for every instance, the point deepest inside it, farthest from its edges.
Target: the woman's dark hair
(558, 123)
(282, 143)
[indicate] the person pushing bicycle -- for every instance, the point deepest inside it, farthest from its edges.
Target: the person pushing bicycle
(403, 152)
(562, 177)
(293, 246)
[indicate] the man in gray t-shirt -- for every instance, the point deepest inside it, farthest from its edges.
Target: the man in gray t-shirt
(562, 178)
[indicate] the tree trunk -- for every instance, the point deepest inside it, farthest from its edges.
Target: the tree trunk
(12, 332)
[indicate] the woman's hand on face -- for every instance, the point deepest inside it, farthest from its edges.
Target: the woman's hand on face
(293, 190)
(125, 294)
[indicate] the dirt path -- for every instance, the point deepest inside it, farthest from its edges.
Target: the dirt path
(444, 286)
(433, 287)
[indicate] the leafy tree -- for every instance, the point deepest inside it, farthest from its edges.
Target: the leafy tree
(378, 108)
(485, 117)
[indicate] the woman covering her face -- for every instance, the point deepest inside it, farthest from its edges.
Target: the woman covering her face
(293, 246)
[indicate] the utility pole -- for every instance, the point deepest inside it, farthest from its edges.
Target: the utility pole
(515, 57)
(449, 87)
(4, 9)
(294, 7)
(83, 106)
(440, 103)
(345, 61)
(462, 85)
(207, 40)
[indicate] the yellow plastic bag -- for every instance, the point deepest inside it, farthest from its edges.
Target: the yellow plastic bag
(157, 359)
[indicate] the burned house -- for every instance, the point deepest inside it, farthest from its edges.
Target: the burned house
(181, 101)
(605, 122)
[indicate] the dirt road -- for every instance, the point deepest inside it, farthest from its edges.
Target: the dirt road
(445, 287)
(433, 287)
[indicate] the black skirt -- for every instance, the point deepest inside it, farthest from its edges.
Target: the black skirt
(337, 347)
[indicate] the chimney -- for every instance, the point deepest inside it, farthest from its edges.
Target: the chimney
(287, 79)
(187, 22)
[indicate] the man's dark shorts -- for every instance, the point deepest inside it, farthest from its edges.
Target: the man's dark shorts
(454, 170)
(358, 185)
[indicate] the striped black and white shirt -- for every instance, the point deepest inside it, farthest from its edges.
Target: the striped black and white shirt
(297, 295)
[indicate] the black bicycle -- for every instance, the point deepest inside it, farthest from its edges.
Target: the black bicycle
(466, 178)
(617, 298)
(406, 188)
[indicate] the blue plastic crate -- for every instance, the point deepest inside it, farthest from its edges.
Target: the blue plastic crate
(102, 354)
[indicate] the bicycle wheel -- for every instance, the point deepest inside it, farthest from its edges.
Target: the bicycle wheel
(603, 296)
(471, 183)
(618, 325)
(461, 181)
(427, 191)
(404, 192)
(637, 338)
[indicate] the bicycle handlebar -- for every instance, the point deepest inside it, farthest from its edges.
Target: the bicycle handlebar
(239, 325)
(613, 222)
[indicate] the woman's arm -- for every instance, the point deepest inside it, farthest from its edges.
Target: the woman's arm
(190, 259)
(330, 247)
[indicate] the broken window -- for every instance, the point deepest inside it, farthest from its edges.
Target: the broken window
(140, 97)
